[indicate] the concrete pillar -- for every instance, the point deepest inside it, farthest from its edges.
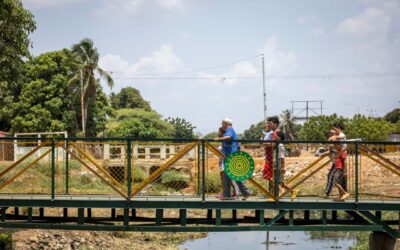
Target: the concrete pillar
(163, 152)
(147, 153)
(135, 151)
(383, 241)
(171, 150)
(106, 151)
(123, 153)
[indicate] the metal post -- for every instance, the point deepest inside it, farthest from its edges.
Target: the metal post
(356, 170)
(52, 169)
(198, 170)
(66, 173)
(203, 171)
(129, 178)
(264, 88)
(276, 170)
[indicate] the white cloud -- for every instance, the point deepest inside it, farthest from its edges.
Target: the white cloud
(160, 61)
(372, 36)
(171, 4)
(277, 61)
(372, 22)
(130, 7)
(231, 77)
(48, 3)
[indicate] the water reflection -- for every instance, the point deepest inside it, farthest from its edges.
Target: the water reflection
(277, 240)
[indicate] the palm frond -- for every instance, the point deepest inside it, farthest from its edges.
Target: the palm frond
(104, 74)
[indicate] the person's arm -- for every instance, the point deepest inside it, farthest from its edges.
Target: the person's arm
(224, 138)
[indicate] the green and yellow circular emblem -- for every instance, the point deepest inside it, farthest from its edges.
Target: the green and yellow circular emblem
(239, 166)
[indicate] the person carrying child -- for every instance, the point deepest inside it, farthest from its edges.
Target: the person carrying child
(236, 192)
(338, 172)
(273, 123)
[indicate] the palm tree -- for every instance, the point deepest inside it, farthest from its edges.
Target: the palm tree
(288, 125)
(84, 79)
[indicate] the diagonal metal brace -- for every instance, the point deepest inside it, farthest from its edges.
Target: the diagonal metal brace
(392, 232)
(164, 167)
(276, 218)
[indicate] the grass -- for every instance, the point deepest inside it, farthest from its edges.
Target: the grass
(5, 240)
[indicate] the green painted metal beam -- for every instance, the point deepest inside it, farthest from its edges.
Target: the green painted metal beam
(154, 228)
(166, 204)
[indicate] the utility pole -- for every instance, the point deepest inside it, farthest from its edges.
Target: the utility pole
(264, 88)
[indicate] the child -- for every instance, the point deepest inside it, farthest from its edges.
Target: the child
(280, 136)
(267, 133)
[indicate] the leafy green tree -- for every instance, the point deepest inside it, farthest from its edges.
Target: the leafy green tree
(317, 127)
(393, 116)
(183, 128)
(129, 98)
(254, 132)
(370, 129)
(84, 79)
(211, 135)
(16, 23)
(46, 104)
(139, 123)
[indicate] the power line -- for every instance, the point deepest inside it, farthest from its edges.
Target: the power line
(314, 76)
(185, 78)
(337, 75)
(195, 70)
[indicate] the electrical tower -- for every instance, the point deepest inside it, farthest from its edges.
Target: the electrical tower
(303, 110)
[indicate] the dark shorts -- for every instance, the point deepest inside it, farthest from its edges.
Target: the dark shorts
(337, 176)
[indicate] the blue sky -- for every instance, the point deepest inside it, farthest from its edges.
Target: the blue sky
(160, 38)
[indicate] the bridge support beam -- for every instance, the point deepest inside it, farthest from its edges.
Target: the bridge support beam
(382, 240)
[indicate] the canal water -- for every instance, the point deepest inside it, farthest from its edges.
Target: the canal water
(277, 240)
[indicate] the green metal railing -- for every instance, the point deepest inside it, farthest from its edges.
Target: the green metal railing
(81, 153)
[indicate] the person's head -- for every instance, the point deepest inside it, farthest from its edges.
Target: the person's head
(221, 132)
(273, 122)
(226, 123)
(332, 132)
(267, 127)
(337, 127)
(280, 136)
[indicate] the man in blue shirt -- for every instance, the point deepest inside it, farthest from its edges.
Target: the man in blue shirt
(230, 145)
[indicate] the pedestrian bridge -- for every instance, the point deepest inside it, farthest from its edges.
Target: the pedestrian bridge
(172, 185)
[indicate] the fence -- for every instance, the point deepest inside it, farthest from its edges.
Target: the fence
(134, 168)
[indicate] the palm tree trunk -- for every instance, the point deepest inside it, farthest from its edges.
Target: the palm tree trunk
(83, 109)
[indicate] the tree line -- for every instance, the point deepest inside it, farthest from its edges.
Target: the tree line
(61, 90)
(317, 127)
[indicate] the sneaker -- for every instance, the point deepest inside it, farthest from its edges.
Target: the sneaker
(294, 194)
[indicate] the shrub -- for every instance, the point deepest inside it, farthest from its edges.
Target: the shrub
(175, 179)
(139, 174)
(213, 182)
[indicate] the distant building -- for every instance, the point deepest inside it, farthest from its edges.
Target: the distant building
(394, 137)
